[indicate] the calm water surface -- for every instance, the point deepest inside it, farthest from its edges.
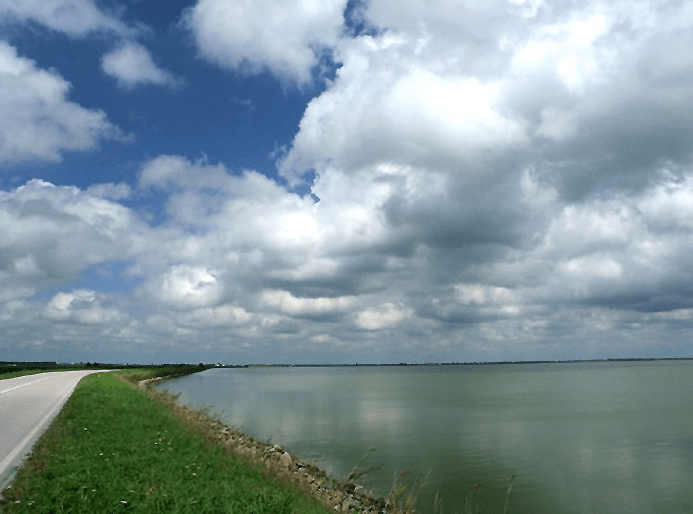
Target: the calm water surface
(580, 437)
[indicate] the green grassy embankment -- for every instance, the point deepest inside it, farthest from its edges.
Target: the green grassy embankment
(114, 449)
(15, 374)
(166, 370)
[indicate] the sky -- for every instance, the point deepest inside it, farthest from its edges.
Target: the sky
(345, 181)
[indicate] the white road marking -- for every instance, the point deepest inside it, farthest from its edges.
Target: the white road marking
(26, 415)
(22, 385)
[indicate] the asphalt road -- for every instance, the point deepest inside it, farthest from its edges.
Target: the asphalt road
(27, 406)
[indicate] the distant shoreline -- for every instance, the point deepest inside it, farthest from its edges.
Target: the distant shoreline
(479, 363)
(7, 367)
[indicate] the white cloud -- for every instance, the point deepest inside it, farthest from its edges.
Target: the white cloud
(238, 271)
(185, 287)
(480, 294)
(490, 180)
(132, 65)
(454, 87)
(80, 306)
(593, 226)
(174, 172)
(390, 105)
(286, 303)
(38, 121)
(250, 214)
(670, 204)
(48, 234)
(75, 18)
(594, 267)
(110, 191)
(283, 37)
(220, 316)
(383, 316)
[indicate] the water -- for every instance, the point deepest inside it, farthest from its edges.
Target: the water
(580, 437)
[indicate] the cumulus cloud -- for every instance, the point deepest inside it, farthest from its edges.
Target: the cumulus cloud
(613, 252)
(220, 316)
(669, 205)
(381, 316)
(75, 18)
(80, 306)
(48, 234)
(284, 38)
(235, 269)
(184, 287)
(175, 172)
(574, 88)
(494, 180)
(38, 120)
(391, 106)
(132, 65)
(321, 308)
(272, 249)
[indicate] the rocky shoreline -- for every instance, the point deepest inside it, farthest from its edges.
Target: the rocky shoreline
(337, 495)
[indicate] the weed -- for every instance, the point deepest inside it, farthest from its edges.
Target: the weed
(356, 473)
(471, 502)
(437, 504)
(507, 496)
(402, 498)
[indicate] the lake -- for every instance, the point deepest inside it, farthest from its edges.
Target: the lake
(583, 437)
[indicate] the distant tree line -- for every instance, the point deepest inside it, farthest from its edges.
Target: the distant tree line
(10, 367)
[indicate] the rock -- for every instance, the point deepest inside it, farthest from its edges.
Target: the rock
(286, 460)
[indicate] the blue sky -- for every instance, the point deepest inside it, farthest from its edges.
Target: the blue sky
(339, 182)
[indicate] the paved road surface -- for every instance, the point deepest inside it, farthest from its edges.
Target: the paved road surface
(27, 406)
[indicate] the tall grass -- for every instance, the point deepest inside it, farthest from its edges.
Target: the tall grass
(472, 505)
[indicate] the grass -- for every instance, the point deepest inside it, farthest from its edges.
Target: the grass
(24, 372)
(15, 374)
(167, 370)
(113, 449)
(403, 496)
(134, 375)
(472, 505)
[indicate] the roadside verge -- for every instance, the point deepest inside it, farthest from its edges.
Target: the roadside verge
(24, 422)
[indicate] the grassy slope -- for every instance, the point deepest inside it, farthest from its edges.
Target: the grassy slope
(24, 372)
(145, 372)
(15, 374)
(113, 449)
